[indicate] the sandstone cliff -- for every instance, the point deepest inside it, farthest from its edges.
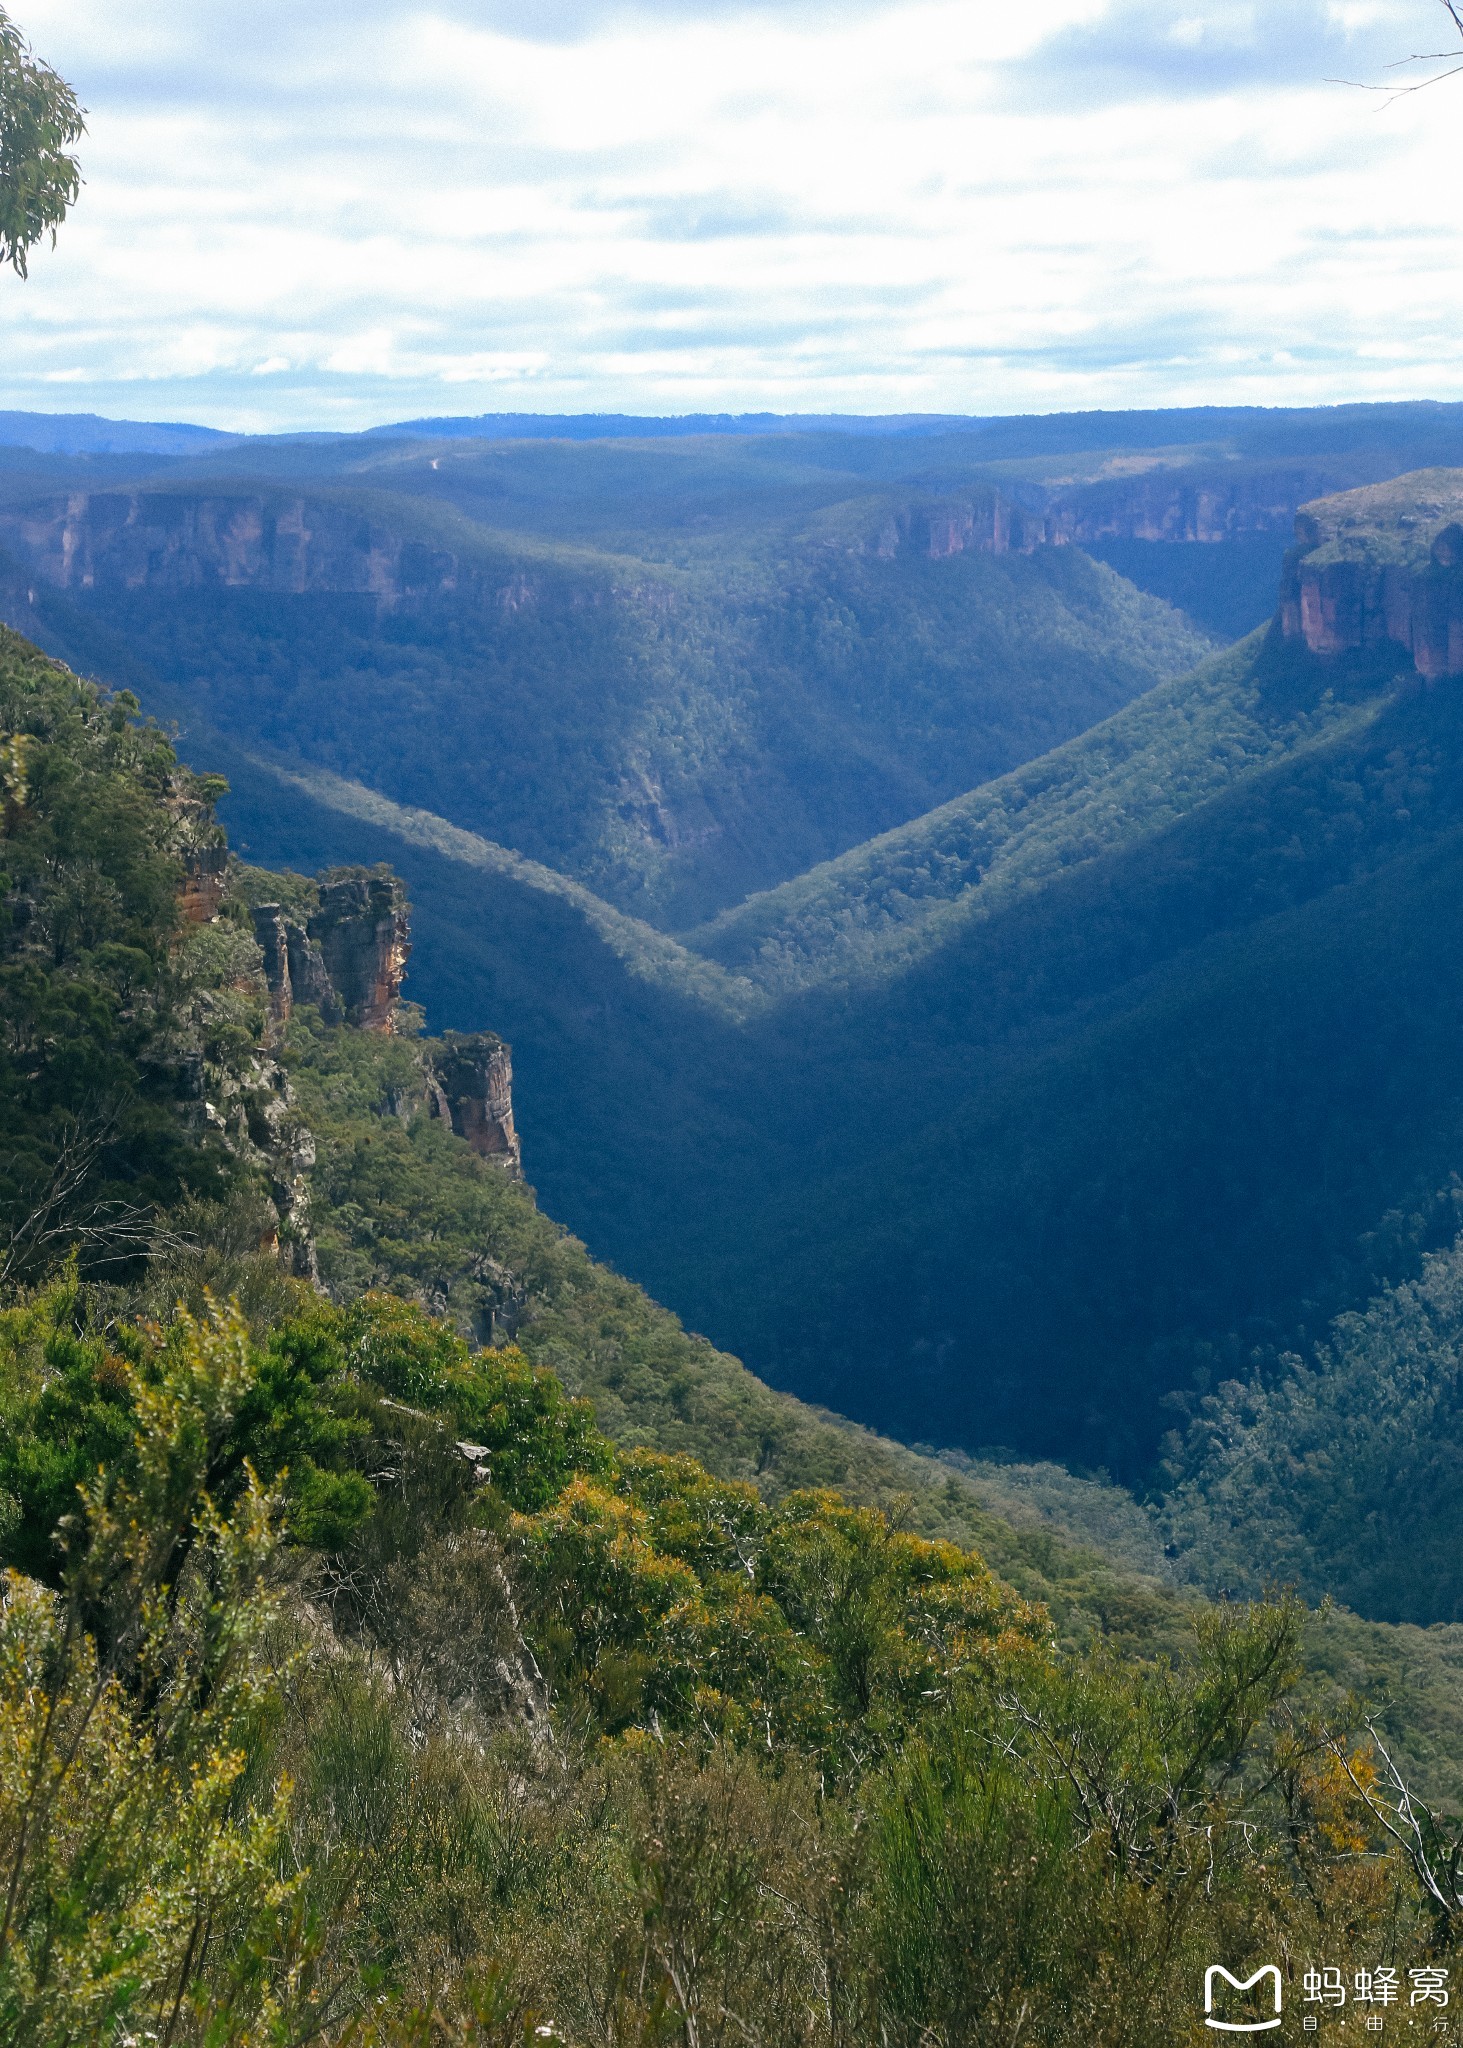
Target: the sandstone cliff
(471, 1076)
(1144, 499)
(363, 934)
(1381, 566)
(348, 957)
(295, 543)
(1205, 502)
(205, 873)
(343, 949)
(131, 540)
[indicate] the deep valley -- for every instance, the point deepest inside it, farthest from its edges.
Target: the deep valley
(932, 965)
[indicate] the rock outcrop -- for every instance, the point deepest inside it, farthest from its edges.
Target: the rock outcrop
(270, 1129)
(348, 957)
(294, 967)
(1381, 566)
(272, 934)
(471, 1077)
(364, 935)
(252, 1108)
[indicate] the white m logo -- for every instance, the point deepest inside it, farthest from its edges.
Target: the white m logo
(1215, 1971)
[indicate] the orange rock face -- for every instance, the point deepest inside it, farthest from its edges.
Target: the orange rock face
(364, 935)
(1381, 567)
(205, 871)
(349, 959)
(472, 1073)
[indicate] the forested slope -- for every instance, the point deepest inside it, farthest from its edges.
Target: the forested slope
(162, 1124)
(885, 903)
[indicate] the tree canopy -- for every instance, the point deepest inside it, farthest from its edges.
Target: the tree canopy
(39, 121)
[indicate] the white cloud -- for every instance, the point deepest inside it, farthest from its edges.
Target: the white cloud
(371, 208)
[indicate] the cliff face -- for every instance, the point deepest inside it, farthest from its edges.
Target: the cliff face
(992, 523)
(1381, 566)
(131, 540)
(294, 967)
(364, 937)
(205, 873)
(1203, 502)
(348, 957)
(1194, 502)
(471, 1075)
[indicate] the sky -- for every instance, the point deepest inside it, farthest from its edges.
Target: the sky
(334, 213)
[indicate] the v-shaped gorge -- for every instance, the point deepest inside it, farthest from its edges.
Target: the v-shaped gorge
(1037, 1109)
(672, 733)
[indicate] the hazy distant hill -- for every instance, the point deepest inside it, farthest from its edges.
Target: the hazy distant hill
(621, 426)
(86, 433)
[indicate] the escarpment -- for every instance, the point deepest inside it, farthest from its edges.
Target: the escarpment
(1205, 504)
(287, 544)
(1184, 502)
(1381, 566)
(295, 543)
(140, 539)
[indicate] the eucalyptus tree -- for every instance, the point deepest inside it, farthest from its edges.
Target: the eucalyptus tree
(40, 120)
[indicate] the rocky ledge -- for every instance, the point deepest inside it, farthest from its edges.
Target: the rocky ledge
(470, 1075)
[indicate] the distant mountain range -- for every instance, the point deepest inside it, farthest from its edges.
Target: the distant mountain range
(1434, 430)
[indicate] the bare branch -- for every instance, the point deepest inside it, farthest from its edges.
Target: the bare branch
(1454, 11)
(112, 1231)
